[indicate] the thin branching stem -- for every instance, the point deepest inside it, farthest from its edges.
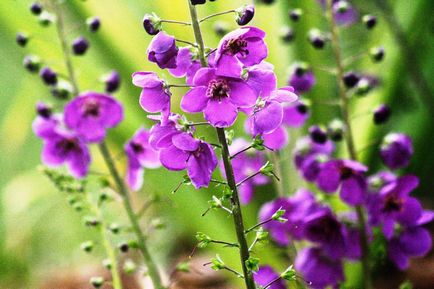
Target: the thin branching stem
(216, 14)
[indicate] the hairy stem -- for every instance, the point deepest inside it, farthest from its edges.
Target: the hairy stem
(122, 189)
(235, 201)
(367, 283)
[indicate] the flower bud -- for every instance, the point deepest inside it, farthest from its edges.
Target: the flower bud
(152, 24)
(289, 274)
(252, 264)
(277, 216)
(381, 114)
(80, 46)
(87, 246)
(130, 267)
(44, 110)
(203, 240)
(335, 130)
(62, 90)
(287, 34)
(124, 247)
(97, 282)
(114, 228)
(396, 150)
(351, 79)
(221, 28)
(48, 76)
(217, 263)
(377, 54)
(112, 81)
(370, 21)
(267, 2)
(36, 8)
(295, 14)
(31, 63)
(196, 2)
(244, 14)
(91, 221)
(93, 24)
(22, 39)
(363, 87)
(107, 263)
(317, 38)
(45, 19)
(317, 134)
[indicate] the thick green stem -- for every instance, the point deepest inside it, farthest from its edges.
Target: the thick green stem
(236, 207)
(122, 189)
(367, 283)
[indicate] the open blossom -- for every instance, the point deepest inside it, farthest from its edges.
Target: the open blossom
(396, 150)
(296, 114)
(265, 275)
(261, 78)
(244, 165)
(394, 205)
(218, 97)
(140, 155)
(240, 48)
(306, 151)
(155, 97)
(186, 66)
(196, 156)
(318, 269)
(163, 51)
(346, 174)
(91, 113)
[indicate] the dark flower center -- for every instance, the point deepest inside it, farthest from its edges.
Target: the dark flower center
(91, 108)
(235, 46)
(198, 152)
(392, 204)
(302, 108)
(346, 173)
(137, 148)
(67, 145)
(326, 227)
(218, 89)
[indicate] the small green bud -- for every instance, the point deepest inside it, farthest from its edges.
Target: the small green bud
(78, 207)
(215, 203)
(217, 263)
(183, 267)
(133, 244)
(230, 135)
(227, 193)
(252, 264)
(87, 246)
(97, 282)
(45, 18)
(258, 143)
(107, 263)
(267, 169)
(91, 221)
(114, 228)
(158, 224)
(277, 216)
(129, 267)
(261, 235)
(203, 239)
(289, 274)
(363, 87)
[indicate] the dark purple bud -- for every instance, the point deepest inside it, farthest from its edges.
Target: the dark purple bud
(396, 150)
(22, 39)
(124, 247)
(48, 76)
(112, 81)
(302, 107)
(244, 14)
(295, 14)
(317, 39)
(377, 54)
(370, 21)
(287, 34)
(335, 130)
(221, 28)
(317, 134)
(44, 110)
(80, 46)
(93, 23)
(351, 79)
(36, 8)
(32, 63)
(151, 24)
(382, 114)
(196, 2)
(268, 2)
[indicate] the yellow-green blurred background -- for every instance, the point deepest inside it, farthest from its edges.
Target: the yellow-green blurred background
(40, 234)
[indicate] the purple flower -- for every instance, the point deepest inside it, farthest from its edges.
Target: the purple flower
(346, 174)
(245, 14)
(161, 133)
(140, 155)
(196, 156)
(276, 140)
(80, 46)
(344, 13)
(112, 81)
(318, 269)
(244, 165)
(396, 150)
(296, 114)
(46, 122)
(302, 79)
(265, 275)
(240, 48)
(268, 114)
(185, 65)
(163, 51)
(261, 77)
(393, 205)
(305, 148)
(154, 96)
(91, 113)
(61, 147)
(378, 181)
(218, 97)
(48, 76)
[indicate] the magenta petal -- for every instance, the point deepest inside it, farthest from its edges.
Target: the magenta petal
(91, 131)
(203, 76)
(134, 177)
(221, 113)
(262, 80)
(183, 62)
(146, 79)
(185, 142)
(229, 66)
(154, 100)
(79, 162)
(50, 155)
(276, 140)
(284, 95)
(242, 94)
(416, 241)
(407, 184)
(173, 158)
(258, 51)
(329, 177)
(195, 100)
(398, 257)
(411, 212)
(353, 190)
(268, 118)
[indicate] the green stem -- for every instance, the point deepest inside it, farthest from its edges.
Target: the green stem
(235, 201)
(367, 282)
(216, 14)
(122, 189)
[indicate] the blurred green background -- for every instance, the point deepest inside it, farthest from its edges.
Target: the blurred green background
(40, 234)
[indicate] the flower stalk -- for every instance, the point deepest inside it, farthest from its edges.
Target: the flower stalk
(122, 189)
(345, 109)
(235, 201)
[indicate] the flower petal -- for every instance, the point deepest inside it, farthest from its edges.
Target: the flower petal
(221, 113)
(195, 100)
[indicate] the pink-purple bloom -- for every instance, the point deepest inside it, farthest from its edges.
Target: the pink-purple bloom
(240, 48)
(140, 155)
(265, 275)
(155, 97)
(296, 114)
(218, 97)
(91, 113)
(302, 79)
(163, 51)
(396, 150)
(186, 66)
